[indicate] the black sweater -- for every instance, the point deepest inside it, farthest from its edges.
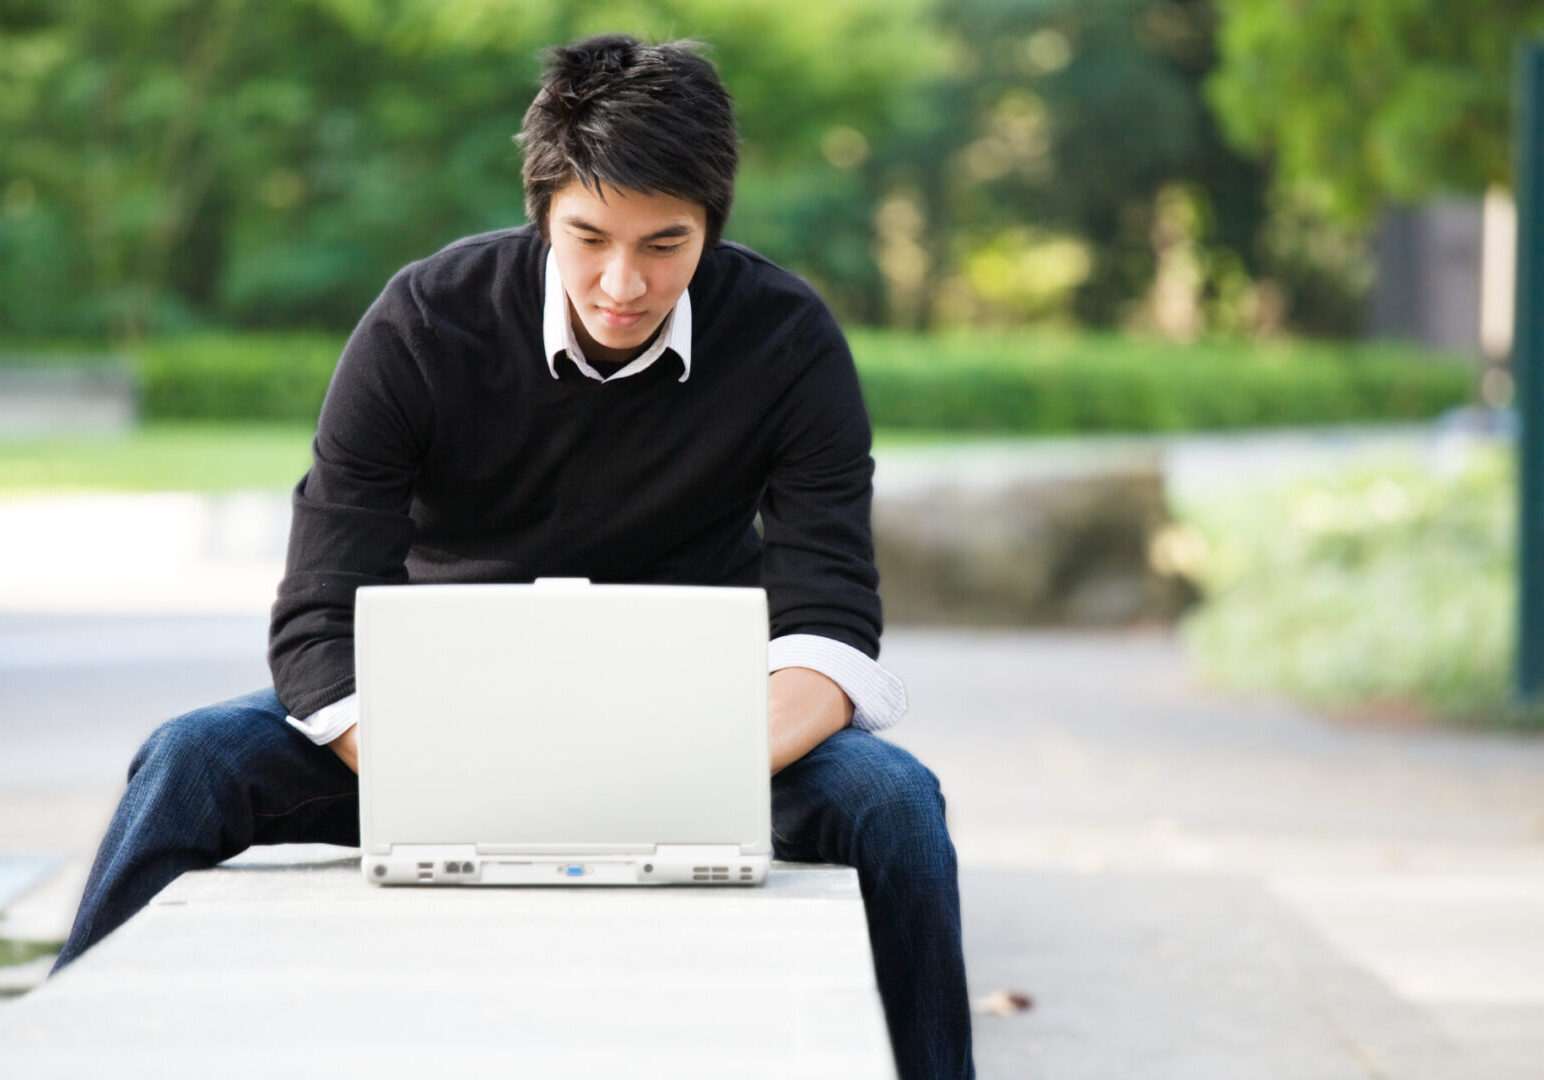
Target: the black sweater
(446, 452)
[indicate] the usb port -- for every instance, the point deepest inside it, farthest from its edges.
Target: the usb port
(574, 871)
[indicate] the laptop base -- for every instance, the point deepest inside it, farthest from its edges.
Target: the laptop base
(463, 864)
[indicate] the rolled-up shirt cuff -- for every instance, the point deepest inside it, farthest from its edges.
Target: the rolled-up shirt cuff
(328, 722)
(878, 697)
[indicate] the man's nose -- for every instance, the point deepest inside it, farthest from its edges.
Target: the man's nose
(622, 280)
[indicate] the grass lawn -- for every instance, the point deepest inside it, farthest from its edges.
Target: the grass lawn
(198, 457)
(159, 457)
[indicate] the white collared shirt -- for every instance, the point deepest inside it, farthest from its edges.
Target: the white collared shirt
(878, 697)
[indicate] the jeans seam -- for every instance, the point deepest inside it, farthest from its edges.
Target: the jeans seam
(303, 802)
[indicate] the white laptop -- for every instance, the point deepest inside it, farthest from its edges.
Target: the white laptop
(563, 733)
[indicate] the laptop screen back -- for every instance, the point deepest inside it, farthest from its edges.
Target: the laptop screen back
(562, 717)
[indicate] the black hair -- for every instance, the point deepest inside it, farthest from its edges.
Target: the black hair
(649, 118)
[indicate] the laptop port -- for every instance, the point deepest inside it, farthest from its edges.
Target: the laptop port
(573, 871)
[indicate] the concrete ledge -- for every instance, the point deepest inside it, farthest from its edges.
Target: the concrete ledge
(1060, 538)
(285, 963)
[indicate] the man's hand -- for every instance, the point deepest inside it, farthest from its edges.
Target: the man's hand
(804, 708)
(346, 746)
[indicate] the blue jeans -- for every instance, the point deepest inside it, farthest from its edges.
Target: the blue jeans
(215, 781)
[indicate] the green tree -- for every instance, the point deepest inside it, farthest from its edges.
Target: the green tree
(271, 163)
(1357, 102)
(1064, 117)
(265, 163)
(268, 163)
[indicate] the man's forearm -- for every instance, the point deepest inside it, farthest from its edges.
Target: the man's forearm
(804, 708)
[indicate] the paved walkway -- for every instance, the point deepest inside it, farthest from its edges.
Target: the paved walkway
(1194, 886)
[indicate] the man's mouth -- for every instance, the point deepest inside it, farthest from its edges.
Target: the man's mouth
(620, 320)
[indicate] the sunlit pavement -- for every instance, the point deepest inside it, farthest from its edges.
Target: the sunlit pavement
(1186, 885)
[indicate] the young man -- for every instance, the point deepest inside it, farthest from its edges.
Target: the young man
(610, 393)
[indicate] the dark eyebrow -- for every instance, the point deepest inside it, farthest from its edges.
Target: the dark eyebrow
(580, 223)
(669, 232)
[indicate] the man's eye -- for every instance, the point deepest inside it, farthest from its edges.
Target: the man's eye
(590, 241)
(665, 249)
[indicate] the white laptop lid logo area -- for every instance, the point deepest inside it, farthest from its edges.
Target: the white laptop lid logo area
(563, 717)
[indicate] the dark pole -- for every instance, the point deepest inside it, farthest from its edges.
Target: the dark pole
(1528, 370)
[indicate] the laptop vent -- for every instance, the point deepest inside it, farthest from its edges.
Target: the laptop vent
(710, 873)
(426, 871)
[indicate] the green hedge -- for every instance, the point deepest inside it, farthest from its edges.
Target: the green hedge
(1021, 384)
(1062, 384)
(236, 377)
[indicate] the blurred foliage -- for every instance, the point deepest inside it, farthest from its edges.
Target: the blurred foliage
(1361, 101)
(1385, 589)
(179, 164)
(1094, 110)
(1003, 382)
(185, 162)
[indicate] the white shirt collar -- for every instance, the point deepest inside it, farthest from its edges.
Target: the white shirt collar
(557, 331)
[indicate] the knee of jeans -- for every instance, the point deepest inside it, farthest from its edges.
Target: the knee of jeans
(903, 798)
(185, 747)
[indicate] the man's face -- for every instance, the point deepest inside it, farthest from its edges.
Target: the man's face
(625, 259)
